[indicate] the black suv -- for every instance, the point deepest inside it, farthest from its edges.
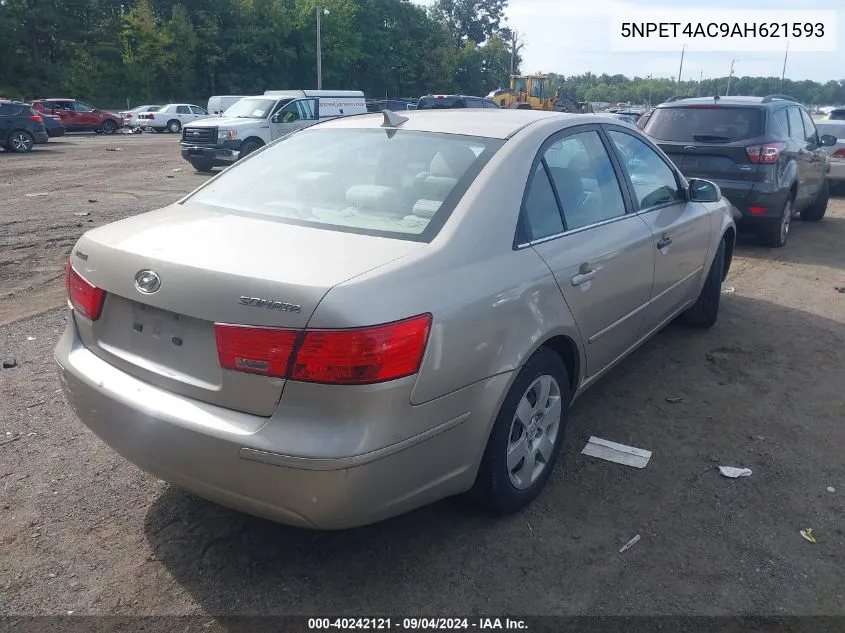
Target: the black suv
(764, 152)
(439, 102)
(20, 127)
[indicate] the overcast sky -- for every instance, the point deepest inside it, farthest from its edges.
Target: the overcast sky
(574, 36)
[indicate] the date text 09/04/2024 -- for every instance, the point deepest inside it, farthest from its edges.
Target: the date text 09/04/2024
(723, 29)
(417, 624)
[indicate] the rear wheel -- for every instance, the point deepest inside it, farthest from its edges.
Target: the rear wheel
(526, 436)
(174, 126)
(819, 208)
(203, 165)
(109, 127)
(705, 311)
(776, 233)
(20, 142)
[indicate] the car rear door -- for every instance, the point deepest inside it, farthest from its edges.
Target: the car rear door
(579, 220)
(711, 141)
(680, 229)
(804, 158)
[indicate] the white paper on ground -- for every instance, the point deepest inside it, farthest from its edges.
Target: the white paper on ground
(618, 453)
(733, 473)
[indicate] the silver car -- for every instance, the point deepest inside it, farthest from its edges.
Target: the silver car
(381, 311)
(836, 175)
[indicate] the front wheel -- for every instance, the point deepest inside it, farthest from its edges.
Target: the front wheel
(705, 311)
(20, 142)
(109, 127)
(526, 436)
(248, 148)
(203, 165)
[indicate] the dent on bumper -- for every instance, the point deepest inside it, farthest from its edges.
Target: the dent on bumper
(219, 454)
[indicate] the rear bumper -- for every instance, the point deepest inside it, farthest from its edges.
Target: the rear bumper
(223, 455)
(56, 132)
(752, 204)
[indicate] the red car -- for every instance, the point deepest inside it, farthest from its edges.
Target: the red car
(77, 116)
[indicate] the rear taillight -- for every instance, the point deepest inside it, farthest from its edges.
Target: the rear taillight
(128, 115)
(840, 153)
(350, 357)
(85, 298)
(758, 210)
(765, 154)
(255, 350)
(36, 118)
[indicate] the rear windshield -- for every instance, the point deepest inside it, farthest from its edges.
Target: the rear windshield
(392, 183)
(836, 115)
(703, 124)
(434, 103)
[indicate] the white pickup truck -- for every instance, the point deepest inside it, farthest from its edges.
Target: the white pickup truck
(253, 122)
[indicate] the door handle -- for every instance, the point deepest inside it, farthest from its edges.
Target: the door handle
(664, 242)
(585, 274)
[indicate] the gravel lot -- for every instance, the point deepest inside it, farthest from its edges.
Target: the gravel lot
(84, 531)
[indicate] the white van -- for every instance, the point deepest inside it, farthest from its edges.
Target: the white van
(252, 122)
(219, 104)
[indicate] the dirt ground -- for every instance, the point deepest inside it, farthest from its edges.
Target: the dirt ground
(84, 531)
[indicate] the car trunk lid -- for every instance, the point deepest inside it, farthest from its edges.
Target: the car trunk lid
(213, 267)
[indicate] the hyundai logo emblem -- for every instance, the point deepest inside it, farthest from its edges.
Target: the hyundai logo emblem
(147, 281)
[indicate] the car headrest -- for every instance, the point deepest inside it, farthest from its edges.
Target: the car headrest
(451, 161)
(374, 198)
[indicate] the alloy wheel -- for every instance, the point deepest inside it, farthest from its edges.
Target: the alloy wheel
(785, 221)
(21, 142)
(534, 431)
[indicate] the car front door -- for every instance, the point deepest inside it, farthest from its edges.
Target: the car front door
(680, 229)
(85, 116)
(293, 116)
(818, 162)
(580, 221)
(198, 113)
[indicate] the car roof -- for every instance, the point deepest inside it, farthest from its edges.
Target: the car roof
(731, 100)
(490, 123)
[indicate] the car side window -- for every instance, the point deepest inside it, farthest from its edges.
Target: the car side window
(796, 125)
(82, 107)
(584, 179)
(542, 214)
(810, 133)
(655, 183)
(198, 110)
(307, 109)
(781, 121)
(183, 110)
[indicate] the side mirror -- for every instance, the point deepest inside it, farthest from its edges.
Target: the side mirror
(827, 140)
(704, 191)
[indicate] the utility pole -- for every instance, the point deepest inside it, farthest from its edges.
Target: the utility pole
(649, 91)
(681, 69)
(513, 50)
(783, 74)
(320, 11)
(700, 78)
(728, 91)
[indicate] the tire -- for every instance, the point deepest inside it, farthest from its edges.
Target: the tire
(203, 166)
(174, 126)
(20, 142)
(507, 484)
(776, 233)
(705, 311)
(108, 127)
(819, 208)
(247, 148)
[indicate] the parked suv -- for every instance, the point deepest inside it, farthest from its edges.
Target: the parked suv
(80, 117)
(764, 153)
(20, 127)
(438, 102)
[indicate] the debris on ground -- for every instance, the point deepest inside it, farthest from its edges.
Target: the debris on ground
(82, 214)
(114, 149)
(30, 338)
(92, 200)
(629, 544)
(171, 176)
(618, 453)
(831, 489)
(9, 363)
(729, 289)
(9, 440)
(175, 169)
(674, 400)
(40, 194)
(807, 533)
(840, 289)
(733, 473)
